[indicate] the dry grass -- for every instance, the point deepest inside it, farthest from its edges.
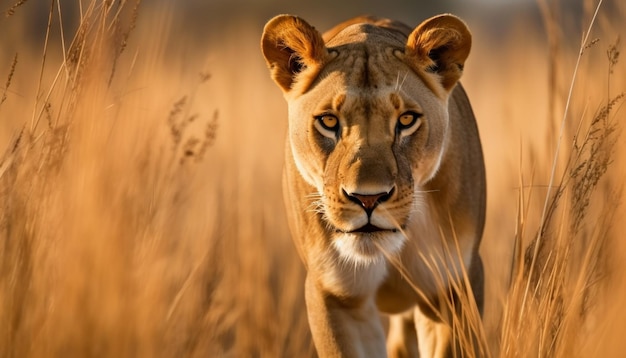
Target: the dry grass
(141, 210)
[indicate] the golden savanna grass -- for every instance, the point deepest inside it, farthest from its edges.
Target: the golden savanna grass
(140, 181)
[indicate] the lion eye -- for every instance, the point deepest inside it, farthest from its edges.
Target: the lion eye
(328, 121)
(408, 120)
(408, 123)
(327, 125)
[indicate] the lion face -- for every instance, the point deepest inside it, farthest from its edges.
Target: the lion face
(367, 148)
(367, 125)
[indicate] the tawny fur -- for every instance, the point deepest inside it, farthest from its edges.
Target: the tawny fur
(384, 216)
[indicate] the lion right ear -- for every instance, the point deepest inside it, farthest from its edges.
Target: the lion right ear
(291, 46)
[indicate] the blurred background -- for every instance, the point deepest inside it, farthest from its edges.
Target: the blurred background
(141, 177)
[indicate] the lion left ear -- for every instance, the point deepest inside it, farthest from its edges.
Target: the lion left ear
(441, 45)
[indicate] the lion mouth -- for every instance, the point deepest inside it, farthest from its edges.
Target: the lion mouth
(368, 229)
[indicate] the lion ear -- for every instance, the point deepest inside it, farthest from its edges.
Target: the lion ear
(440, 45)
(290, 46)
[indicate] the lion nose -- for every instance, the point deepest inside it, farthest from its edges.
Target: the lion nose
(369, 201)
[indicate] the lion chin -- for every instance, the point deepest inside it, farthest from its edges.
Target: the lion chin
(365, 248)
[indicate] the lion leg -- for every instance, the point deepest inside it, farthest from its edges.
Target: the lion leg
(343, 328)
(402, 336)
(434, 337)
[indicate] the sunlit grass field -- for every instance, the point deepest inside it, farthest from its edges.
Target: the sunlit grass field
(141, 205)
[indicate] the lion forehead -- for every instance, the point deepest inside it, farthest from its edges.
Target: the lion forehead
(369, 33)
(366, 66)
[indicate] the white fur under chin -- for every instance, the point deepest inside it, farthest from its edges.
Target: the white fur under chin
(367, 248)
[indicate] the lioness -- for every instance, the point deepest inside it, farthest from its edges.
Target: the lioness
(384, 179)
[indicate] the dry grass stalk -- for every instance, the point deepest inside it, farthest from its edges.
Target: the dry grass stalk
(550, 16)
(122, 36)
(8, 82)
(89, 264)
(11, 11)
(555, 281)
(35, 119)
